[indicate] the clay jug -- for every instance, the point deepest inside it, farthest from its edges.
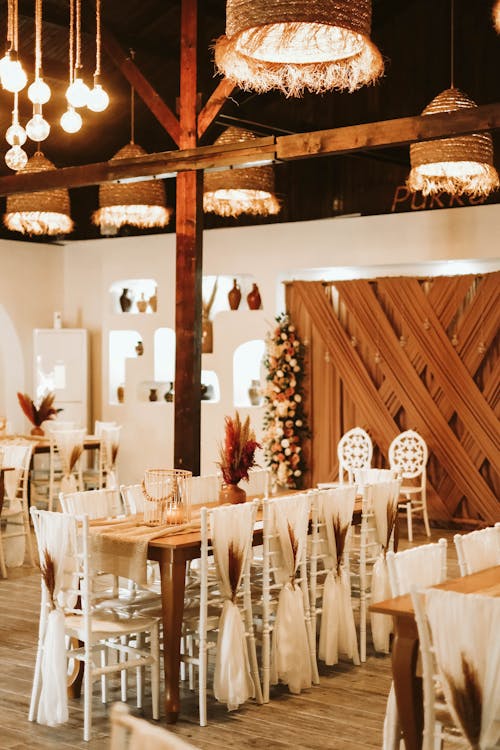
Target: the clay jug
(153, 301)
(142, 304)
(169, 393)
(254, 393)
(253, 298)
(125, 301)
(234, 296)
(139, 348)
(153, 394)
(231, 493)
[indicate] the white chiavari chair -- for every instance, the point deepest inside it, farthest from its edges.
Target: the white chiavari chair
(67, 610)
(131, 733)
(330, 586)
(65, 468)
(421, 566)
(478, 550)
(408, 455)
(15, 535)
(219, 616)
(460, 651)
(354, 451)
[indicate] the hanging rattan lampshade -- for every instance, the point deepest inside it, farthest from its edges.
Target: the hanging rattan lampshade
(496, 16)
(139, 204)
(462, 165)
(240, 191)
(293, 45)
(44, 212)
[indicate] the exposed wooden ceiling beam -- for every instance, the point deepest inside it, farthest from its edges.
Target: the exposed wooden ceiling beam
(214, 105)
(352, 139)
(144, 89)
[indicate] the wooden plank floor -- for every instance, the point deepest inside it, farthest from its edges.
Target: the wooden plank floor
(345, 712)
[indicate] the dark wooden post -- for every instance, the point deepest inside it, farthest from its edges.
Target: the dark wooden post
(189, 228)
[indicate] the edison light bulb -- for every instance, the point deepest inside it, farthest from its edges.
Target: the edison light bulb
(37, 128)
(98, 99)
(16, 135)
(71, 121)
(12, 74)
(39, 92)
(16, 158)
(77, 93)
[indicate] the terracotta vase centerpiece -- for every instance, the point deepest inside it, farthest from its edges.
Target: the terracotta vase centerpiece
(38, 415)
(236, 457)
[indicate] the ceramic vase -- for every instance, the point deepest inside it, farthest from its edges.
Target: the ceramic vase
(234, 296)
(254, 393)
(120, 394)
(142, 304)
(153, 302)
(139, 348)
(253, 298)
(169, 393)
(232, 493)
(125, 301)
(37, 430)
(153, 394)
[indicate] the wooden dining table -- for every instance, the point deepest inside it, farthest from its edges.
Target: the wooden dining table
(172, 553)
(407, 685)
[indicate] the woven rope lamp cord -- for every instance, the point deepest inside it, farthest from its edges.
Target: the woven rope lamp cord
(293, 45)
(240, 191)
(462, 165)
(42, 213)
(140, 204)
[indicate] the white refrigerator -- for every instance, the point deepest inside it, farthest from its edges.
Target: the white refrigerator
(61, 364)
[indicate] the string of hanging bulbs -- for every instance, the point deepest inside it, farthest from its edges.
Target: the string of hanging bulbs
(78, 95)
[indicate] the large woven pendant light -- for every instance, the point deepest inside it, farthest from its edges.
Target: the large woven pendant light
(42, 213)
(462, 165)
(139, 204)
(293, 45)
(234, 192)
(496, 16)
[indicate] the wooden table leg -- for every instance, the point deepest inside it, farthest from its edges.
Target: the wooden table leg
(173, 573)
(407, 685)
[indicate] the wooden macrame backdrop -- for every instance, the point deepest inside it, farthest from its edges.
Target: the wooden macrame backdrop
(406, 353)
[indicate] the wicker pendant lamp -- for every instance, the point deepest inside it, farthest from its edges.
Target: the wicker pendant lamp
(496, 16)
(462, 165)
(293, 45)
(240, 191)
(138, 204)
(42, 213)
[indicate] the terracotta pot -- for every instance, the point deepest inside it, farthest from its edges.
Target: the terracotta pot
(153, 302)
(120, 394)
(234, 296)
(36, 431)
(139, 348)
(253, 298)
(153, 394)
(231, 493)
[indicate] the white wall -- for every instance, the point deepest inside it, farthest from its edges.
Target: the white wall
(31, 289)
(433, 242)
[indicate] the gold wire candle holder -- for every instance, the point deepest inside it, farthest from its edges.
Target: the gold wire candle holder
(167, 497)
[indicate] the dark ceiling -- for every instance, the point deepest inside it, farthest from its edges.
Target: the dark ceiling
(413, 36)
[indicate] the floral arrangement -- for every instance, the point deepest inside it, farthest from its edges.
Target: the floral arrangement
(38, 415)
(237, 452)
(285, 425)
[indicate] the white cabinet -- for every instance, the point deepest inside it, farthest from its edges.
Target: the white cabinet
(60, 359)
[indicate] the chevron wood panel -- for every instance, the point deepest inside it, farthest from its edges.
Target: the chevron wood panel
(422, 354)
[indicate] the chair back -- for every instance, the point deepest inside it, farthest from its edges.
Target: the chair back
(18, 456)
(132, 498)
(421, 566)
(373, 476)
(93, 503)
(204, 489)
(458, 636)
(408, 454)
(354, 451)
(478, 550)
(100, 426)
(108, 453)
(259, 482)
(131, 733)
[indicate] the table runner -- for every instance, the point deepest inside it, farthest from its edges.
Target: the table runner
(120, 545)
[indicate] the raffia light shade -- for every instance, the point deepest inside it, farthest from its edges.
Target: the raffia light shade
(42, 213)
(496, 16)
(293, 45)
(240, 191)
(462, 165)
(138, 204)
